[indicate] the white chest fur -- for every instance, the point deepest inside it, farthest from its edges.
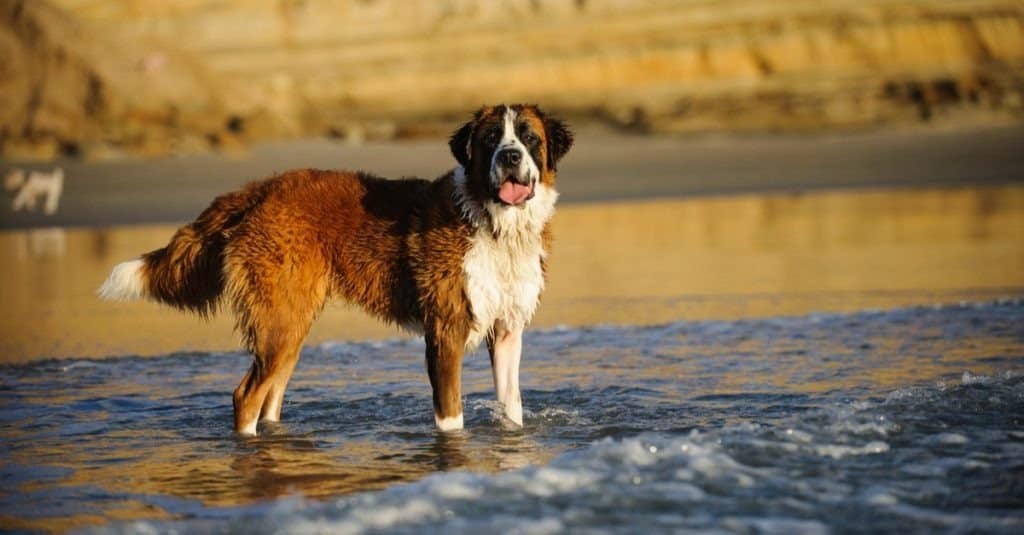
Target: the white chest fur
(502, 267)
(503, 282)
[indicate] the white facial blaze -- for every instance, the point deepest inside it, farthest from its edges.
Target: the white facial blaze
(503, 269)
(504, 277)
(509, 140)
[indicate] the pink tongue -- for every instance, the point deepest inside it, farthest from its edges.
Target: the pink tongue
(513, 193)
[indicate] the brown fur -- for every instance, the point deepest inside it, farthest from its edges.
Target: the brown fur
(278, 249)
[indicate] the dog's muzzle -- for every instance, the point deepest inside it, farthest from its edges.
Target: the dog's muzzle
(512, 181)
(513, 193)
(508, 158)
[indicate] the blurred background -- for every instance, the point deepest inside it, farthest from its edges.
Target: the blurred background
(743, 169)
(733, 157)
(97, 79)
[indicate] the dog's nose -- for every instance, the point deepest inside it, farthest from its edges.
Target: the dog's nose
(510, 157)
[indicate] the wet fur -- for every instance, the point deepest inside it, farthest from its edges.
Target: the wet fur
(276, 250)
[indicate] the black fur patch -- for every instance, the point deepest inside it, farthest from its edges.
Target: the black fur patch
(460, 143)
(559, 140)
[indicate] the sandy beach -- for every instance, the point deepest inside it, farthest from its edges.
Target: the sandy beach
(649, 230)
(692, 230)
(603, 166)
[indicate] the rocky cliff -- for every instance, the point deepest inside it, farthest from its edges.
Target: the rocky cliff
(193, 72)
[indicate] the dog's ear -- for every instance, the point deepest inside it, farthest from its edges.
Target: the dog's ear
(559, 140)
(461, 143)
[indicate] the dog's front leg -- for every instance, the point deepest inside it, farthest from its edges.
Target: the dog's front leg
(506, 348)
(444, 365)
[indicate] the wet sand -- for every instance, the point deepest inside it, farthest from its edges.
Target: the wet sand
(700, 228)
(603, 166)
(627, 263)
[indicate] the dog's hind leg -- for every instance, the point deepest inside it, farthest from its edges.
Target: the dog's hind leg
(245, 420)
(261, 392)
(506, 347)
(275, 304)
(25, 199)
(53, 191)
(271, 410)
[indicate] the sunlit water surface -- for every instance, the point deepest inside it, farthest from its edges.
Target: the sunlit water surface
(717, 395)
(624, 263)
(909, 418)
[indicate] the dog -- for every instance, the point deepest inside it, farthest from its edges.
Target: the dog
(32, 185)
(460, 259)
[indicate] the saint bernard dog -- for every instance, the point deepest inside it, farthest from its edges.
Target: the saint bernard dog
(460, 259)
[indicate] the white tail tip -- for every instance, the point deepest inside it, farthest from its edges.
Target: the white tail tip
(124, 283)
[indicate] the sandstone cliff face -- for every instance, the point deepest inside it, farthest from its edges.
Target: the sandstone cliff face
(391, 67)
(65, 87)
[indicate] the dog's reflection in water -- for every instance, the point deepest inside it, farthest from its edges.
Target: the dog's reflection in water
(277, 463)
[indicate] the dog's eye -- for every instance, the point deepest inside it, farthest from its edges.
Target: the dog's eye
(530, 138)
(492, 138)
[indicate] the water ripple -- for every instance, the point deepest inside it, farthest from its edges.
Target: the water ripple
(878, 421)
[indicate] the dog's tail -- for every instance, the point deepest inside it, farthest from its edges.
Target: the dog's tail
(188, 273)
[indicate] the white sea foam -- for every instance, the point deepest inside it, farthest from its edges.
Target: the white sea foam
(79, 364)
(923, 457)
(970, 379)
(838, 451)
(949, 439)
(617, 481)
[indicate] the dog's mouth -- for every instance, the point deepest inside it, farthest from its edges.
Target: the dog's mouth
(512, 193)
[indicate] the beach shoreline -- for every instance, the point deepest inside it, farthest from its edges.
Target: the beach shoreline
(603, 166)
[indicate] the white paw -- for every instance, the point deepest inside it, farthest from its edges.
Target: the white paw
(514, 412)
(451, 423)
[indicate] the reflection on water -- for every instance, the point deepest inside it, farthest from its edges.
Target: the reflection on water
(95, 441)
(89, 442)
(619, 263)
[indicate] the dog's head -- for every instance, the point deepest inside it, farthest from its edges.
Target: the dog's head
(508, 152)
(14, 179)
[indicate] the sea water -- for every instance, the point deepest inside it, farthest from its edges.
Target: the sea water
(900, 420)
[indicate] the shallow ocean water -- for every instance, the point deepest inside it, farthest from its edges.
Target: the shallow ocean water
(906, 419)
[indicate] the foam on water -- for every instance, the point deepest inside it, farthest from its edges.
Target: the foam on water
(881, 421)
(765, 478)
